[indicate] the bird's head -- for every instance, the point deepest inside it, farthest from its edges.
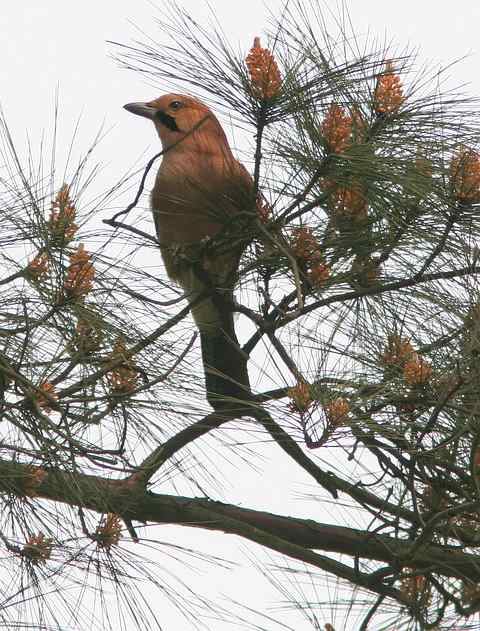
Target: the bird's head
(177, 116)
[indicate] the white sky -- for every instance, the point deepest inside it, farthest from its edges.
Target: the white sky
(48, 43)
(45, 43)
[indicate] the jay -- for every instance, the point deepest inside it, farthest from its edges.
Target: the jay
(199, 189)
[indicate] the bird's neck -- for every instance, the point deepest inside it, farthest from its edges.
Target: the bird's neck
(208, 138)
(200, 147)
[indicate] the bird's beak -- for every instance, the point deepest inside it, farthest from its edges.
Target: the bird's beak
(141, 109)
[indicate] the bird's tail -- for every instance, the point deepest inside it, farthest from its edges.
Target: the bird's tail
(225, 365)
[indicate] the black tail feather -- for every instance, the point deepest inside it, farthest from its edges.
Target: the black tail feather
(225, 366)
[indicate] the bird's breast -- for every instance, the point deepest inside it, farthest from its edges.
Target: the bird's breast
(194, 196)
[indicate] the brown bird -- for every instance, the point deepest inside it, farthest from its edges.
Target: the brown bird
(199, 189)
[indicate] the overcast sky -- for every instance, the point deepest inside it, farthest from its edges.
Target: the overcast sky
(50, 43)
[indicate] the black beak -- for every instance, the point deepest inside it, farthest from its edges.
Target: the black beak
(141, 109)
(147, 111)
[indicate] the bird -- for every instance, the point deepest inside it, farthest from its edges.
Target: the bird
(198, 196)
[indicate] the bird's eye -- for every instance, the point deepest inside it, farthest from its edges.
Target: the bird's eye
(175, 105)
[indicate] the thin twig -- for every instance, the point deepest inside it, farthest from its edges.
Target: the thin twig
(112, 221)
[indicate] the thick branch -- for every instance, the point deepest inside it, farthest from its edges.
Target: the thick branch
(134, 503)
